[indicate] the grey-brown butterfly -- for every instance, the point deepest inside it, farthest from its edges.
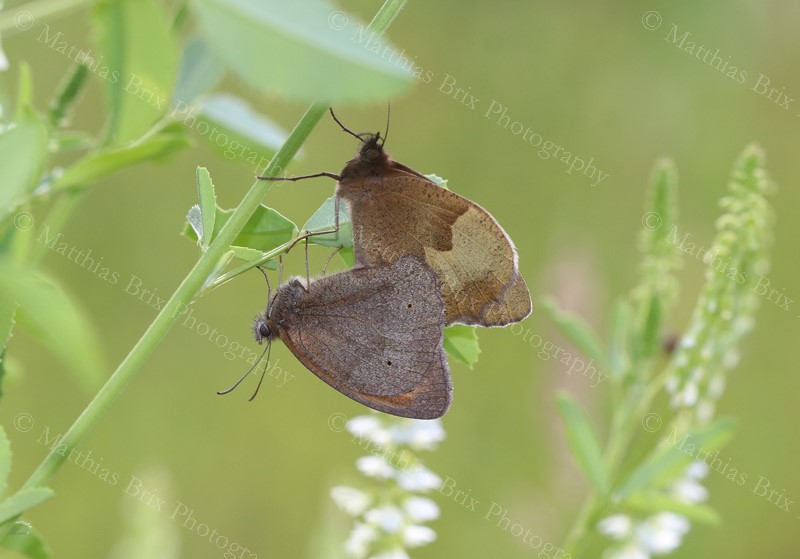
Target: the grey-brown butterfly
(373, 334)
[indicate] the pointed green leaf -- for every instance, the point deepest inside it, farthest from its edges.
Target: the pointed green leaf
(619, 355)
(583, 443)
(70, 140)
(347, 256)
(199, 72)
(324, 220)
(208, 203)
(266, 230)
(97, 166)
(652, 502)
(247, 133)
(578, 332)
(26, 541)
(23, 149)
(8, 309)
(253, 255)
(44, 308)
(23, 500)
(5, 461)
(650, 342)
(461, 343)
(140, 58)
(67, 94)
(671, 459)
(340, 61)
(222, 263)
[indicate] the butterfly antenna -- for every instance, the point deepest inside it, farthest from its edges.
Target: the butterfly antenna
(308, 281)
(269, 289)
(263, 372)
(238, 382)
(388, 114)
(345, 128)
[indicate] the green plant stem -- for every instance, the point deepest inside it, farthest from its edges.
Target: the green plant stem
(228, 276)
(191, 286)
(176, 305)
(625, 421)
(36, 11)
(62, 209)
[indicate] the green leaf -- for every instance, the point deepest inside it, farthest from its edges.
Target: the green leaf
(653, 324)
(652, 502)
(23, 500)
(340, 61)
(8, 309)
(348, 256)
(662, 256)
(583, 443)
(23, 149)
(578, 332)
(221, 264)
(253, 255)
(97, 166)
(5, 461)
(266, 229)
(324, 219)
(67, 94)
(208, 204)
(619, 355)
(461, 342)
(140, 56)
(54, 319)
(199, 72)
(245, 129)
(438, 180)
(70, 140)
(26, 541)
(671, 459)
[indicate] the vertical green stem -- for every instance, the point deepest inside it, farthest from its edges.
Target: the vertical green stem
(192, 284)
(624, 424)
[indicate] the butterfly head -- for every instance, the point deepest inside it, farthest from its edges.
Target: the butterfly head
(371, 150)
(261, 330)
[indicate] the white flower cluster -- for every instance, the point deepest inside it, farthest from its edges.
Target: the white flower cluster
(389, 514)
(657, 534)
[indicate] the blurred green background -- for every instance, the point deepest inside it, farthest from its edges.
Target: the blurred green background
(587, 76)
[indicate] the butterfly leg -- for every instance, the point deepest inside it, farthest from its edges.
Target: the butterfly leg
(305, 236)
(302, 177)
(327, 262)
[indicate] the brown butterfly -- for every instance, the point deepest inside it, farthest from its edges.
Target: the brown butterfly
(396, 211)
(373, 334)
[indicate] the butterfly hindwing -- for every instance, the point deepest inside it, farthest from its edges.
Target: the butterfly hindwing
(375, 335)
